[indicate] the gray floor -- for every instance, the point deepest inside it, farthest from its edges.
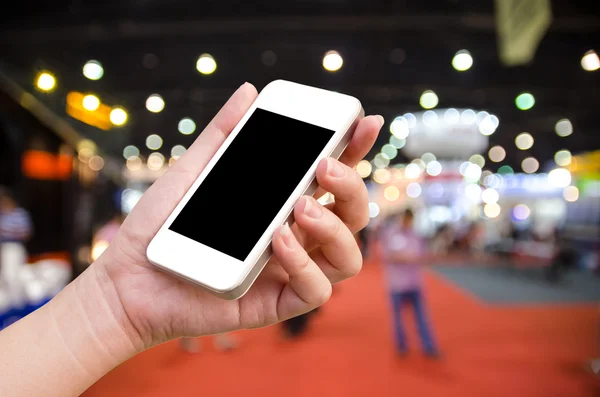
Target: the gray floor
(503, 285)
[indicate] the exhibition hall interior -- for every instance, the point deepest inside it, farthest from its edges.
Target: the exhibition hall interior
(488, 161)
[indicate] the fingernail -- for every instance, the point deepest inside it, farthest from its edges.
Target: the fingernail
(312, 209)
(381, 120)
(287, 236)
(335, 169)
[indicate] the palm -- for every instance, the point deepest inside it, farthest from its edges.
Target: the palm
(161, 306)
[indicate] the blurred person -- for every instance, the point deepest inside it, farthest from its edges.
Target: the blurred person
(15, 230)
(122, 305)
(442, 241)
(402, 251)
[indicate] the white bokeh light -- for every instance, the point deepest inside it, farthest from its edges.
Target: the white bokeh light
(559, 177)
(155, 103)
(413, 190)
(399, 127)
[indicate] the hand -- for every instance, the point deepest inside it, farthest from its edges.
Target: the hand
(154, 307)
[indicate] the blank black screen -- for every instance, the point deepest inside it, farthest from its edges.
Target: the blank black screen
(249, 184)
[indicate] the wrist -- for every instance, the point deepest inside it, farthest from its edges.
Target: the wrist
(93, 324)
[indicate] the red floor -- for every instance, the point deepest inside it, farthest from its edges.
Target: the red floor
(488, 351)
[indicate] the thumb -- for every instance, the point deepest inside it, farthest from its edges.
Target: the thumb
(161, 198)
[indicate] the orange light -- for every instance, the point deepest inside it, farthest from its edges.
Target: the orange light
(37, 164)
(99, 118)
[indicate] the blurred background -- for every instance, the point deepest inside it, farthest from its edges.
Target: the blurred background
(491, 142)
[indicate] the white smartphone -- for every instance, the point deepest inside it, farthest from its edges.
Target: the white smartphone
(219, 235)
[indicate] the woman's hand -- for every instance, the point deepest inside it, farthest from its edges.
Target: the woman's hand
(155, 307)
(122, 304)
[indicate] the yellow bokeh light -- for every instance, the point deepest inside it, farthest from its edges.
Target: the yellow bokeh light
(206, 64)
(332, 61)
(492, 210)
(382, 175)
(118, 116)
(563, 158)
(391, 193)
(45, 81)
(91, 102)
(134, 163)
(155, 161)
(524, 141)
(98, 248)
(364, 168)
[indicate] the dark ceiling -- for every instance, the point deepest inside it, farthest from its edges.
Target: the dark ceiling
(61, 36)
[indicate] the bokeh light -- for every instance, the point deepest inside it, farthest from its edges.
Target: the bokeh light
(411, 119)
(530, 165)
(430, 118)
(525, 101)
(492, 181)
(412, 171)
(468, 116)
(45, 81)
(559, 177)
(373, 210)
(398, 143)
(389, 151)
(506, 170)
(155, 103)
(434, 168)
(364, 168)
(562, 158)
(332, 61)
(472, 173)
(497, 154)
(98, 248)
(451, 116)
(134, 163)
(571, 193)
(590, 61)
(399, 127)
(490, 195)
(118, 116)
(488, 125)
(428, 157)
(477, 159)
(186, 126)
(382, 176)
(473, 192)
(380, 162)
(563, 127)
(428, 100)
(154, 142)
(155, 161)
(206, 64)
(91, 102)
(462, 61)
(131, 151)
(521, 212)
(524, 141)
(492, 210)
(179, 150)
(96, 163)
(391, 193)
(93, 70)
(413, 190)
